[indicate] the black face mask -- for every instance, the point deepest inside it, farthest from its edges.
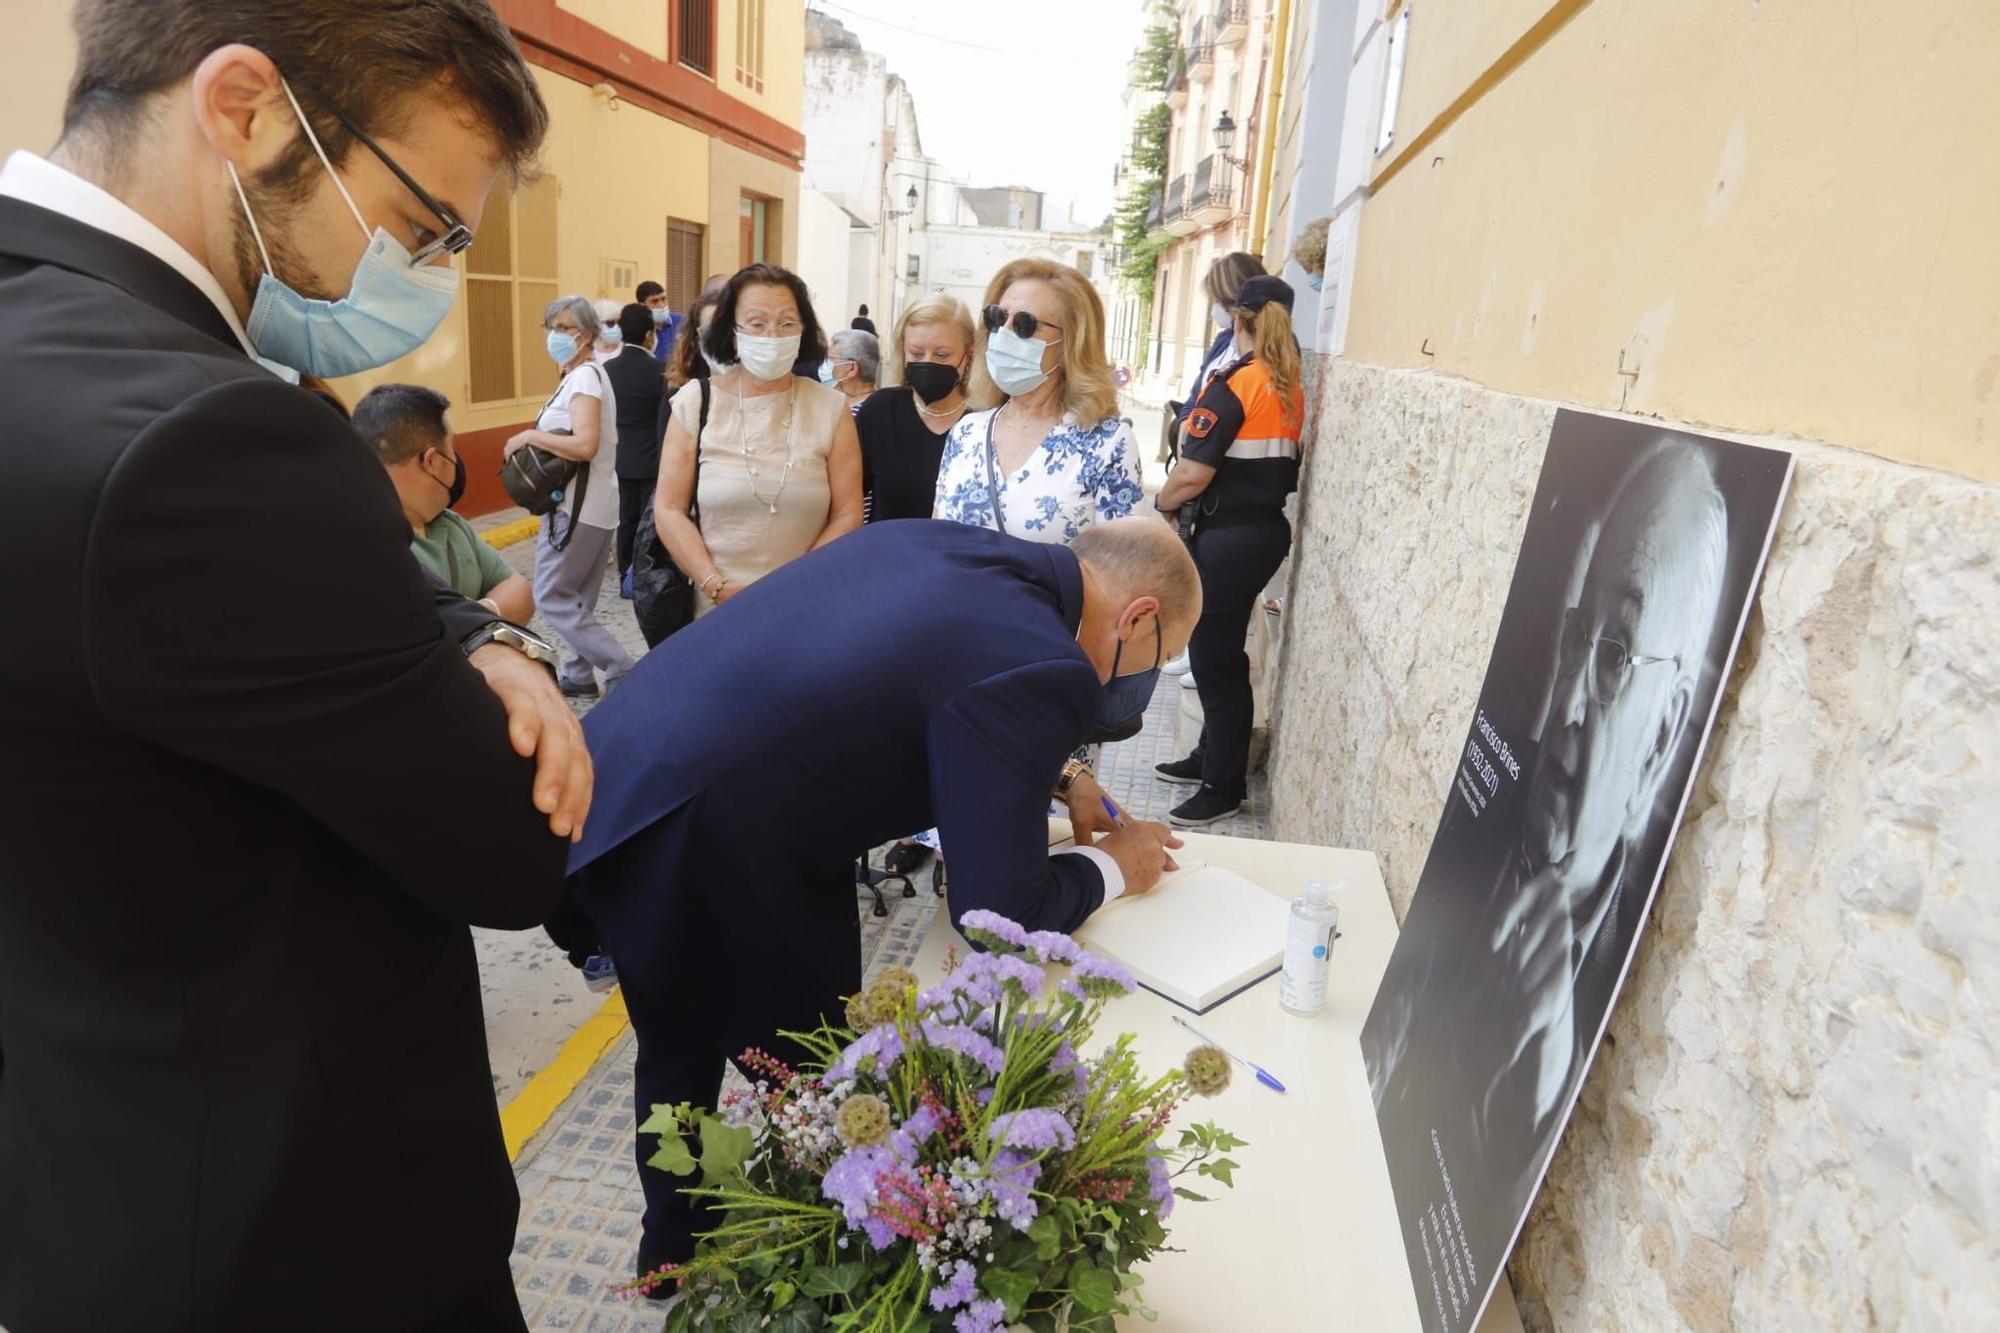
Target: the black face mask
(933, 380)
(456, 491)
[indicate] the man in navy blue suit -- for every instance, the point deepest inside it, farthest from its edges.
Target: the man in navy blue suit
(745, 760)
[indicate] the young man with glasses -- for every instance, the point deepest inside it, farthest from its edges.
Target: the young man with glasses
(239, 1005)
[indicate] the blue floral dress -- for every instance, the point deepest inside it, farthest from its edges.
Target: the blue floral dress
(1078, 475)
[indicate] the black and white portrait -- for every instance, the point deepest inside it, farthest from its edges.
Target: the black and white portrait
(1635, 576)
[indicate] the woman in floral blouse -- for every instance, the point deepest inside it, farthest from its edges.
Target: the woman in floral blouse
(1050, 442)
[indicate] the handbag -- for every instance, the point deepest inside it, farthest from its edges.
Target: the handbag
(663, 595)
(540, 481)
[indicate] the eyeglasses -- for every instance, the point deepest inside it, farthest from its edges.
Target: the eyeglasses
(758, 328)
(456, 237)
(1021, 321)
(1611, 662)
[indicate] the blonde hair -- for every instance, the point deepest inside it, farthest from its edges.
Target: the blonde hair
(936, 308)
(1228, 273)
(1087, 387)
(1272, 343)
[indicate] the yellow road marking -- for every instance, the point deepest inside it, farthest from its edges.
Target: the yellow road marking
(508, 533)
(522, 1118)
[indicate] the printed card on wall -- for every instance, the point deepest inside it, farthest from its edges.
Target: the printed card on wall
(1635, 577)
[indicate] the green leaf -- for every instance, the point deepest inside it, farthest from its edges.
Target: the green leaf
(797, 1317)
(1220, 1169)
(663, 1120)
(1190, 1195)
(1094, 1289)
(832, 1280)
(1010, 1287)
(1046, 1233)
(782, 1293)
(673, 1156)
(723, 1150)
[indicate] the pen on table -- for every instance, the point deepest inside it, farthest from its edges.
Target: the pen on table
(1264, 1075)
(1117, 816)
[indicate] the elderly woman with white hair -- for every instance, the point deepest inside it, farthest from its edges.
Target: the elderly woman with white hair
(610, 339)
(853, 362)
(579, 422)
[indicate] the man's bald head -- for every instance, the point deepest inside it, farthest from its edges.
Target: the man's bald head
(1132, 558)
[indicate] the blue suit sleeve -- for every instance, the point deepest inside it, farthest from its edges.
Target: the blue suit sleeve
(996, 750)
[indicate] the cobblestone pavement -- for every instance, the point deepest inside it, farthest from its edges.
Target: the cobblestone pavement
(580, 1196)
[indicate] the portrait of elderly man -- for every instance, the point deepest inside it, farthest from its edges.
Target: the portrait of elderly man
(1640, 557)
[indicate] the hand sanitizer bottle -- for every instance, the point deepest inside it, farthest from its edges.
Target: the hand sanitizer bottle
(1308, 950)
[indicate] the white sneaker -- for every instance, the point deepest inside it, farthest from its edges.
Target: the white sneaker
(1187, 681)
(1176, 666)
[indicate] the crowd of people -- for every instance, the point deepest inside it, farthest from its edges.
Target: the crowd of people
(267, 970)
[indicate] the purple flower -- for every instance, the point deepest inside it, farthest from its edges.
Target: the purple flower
(1159, 1184)
(1071, 989)
(1053, 946)
(980, 1317)
(879, 1233)
(964, 1041)
(980, 922)
(921, 1124)
(1064, 1061)
(1037, 1129)
(1101, 977)
(1011, 1181)
(854, 1181)
(883, 1045)
(959, 1289)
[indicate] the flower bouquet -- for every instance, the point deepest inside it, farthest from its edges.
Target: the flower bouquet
(946, 1161)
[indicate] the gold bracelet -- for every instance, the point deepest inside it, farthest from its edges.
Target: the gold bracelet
(1071, 771)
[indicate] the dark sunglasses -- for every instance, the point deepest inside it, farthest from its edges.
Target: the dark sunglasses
(456, 237)
(1021, 322)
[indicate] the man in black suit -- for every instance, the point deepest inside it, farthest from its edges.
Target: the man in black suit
(255, 788)
(722, 881)
(638, 381)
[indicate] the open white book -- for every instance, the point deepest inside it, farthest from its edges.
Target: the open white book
(1202, 936)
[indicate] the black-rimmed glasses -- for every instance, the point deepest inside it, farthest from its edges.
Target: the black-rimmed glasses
(1021, 321)
(456, 237)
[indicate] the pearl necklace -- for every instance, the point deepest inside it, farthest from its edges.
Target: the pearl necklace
(928, 411)
(750, 455)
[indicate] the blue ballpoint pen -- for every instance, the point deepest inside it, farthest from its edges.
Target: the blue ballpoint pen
(1264, 1075)
(1112, 810)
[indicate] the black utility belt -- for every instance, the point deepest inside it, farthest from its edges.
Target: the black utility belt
(1237, 516)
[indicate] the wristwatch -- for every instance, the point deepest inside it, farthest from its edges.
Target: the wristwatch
(513, 636)
(1071, 771)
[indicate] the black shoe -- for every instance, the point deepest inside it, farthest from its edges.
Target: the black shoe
(906, 858)
(1181, 772)
(1204, 807)
(572, 690)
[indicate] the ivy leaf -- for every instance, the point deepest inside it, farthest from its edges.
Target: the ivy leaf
(796, 1317)
(1094, 1289)
(1010, 1287)
(782, 1293)
(1190, 1195)
(663, 1120)
(723, 1150)
(1220, 1169)
(673, 1156)
(1046, 1233)
(832, 1280)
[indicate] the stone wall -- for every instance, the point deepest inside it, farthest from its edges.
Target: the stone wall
(1795, 1120)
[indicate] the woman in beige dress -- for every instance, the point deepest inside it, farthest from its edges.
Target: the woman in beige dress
(780, 466)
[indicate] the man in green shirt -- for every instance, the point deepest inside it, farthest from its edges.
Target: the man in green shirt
(406, 424)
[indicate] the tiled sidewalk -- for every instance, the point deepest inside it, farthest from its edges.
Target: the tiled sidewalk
(580, 1198)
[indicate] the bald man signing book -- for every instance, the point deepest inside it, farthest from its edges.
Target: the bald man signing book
(747, 759)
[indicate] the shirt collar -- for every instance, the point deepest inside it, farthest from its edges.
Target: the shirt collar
(35, 180)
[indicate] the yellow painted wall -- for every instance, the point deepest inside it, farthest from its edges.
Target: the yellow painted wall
(783, 97)
(36, 61)
(607, 210)
(1781, 213)
(637, 23)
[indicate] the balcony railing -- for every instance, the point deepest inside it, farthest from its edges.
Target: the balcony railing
(1231, 21)
(1200, 51)
(1155, 211)
(1177, 82)
(1211, 192)
(1176, 215)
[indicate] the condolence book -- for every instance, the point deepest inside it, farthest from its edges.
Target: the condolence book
(1203, 935)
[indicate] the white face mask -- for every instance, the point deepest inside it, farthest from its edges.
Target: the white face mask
(767, 358)
(1220, 314)
(1015, 363)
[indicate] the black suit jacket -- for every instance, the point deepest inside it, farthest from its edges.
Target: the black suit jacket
(251, 794)
(781, 733)
(637, 383)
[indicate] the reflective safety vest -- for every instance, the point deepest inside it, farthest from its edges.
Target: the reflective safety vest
(1249, 434)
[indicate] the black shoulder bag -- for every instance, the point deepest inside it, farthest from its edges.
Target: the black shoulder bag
(540, 480)
(662, 595)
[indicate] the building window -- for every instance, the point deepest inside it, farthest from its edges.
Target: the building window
(750, 44)
(913, 269)
(685, 264)
(760, 233)
(510, 278)
(694, 35)
(1086, 263)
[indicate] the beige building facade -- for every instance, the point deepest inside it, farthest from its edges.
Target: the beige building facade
(1761, 221)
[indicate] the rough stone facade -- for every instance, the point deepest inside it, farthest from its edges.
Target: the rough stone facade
(1795, 1120)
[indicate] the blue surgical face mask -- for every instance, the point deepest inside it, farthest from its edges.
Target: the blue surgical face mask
(562, 347)
(1014, 362)
(611, 334)
(1125, 697)
(391, 308)
(1313, 280)
(661, 315)
(826, 374)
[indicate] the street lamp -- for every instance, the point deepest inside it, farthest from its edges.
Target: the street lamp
(1225, 139)
(911, 200)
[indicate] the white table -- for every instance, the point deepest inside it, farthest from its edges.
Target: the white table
(1308, 1238)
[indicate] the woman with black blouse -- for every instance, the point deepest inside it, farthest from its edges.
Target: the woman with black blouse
(903, 425)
